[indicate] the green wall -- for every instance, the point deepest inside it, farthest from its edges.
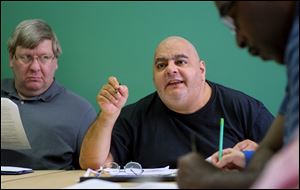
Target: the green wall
(100, 39)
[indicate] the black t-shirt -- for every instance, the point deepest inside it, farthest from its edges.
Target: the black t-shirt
(151, 134)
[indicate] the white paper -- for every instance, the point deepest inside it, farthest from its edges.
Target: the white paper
(102, 184)
(13, 135)
(95, 184)
(155, 185)
(14, 169)
(155, 172)
(208, 159)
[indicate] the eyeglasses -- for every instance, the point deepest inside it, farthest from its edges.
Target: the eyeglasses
(112, 169)
(226, 19)
(28, 59)
(229, 23)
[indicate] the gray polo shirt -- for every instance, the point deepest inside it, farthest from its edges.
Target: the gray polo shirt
(55, 123)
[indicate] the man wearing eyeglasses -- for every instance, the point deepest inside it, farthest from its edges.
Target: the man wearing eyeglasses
(269, 30)
(54, 118)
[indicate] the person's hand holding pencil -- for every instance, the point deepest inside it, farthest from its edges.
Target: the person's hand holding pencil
(112, 97)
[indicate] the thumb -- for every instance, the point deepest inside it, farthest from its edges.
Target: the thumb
(123, 89)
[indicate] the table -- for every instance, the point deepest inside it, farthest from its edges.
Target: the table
(41, 179)
(47, 179)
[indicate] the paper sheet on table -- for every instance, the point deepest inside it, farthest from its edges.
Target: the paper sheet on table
(15, 170)
(148, 174)
(13, 135)
(154, 172)
(208, 159)
(102, 184)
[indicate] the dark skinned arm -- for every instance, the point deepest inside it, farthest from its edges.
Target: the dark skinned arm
(195, 172)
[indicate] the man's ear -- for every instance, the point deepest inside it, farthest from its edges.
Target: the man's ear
(11, 62)
(202, 69)
(202, 66)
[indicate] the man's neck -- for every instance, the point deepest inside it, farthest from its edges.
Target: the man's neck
(23, 97)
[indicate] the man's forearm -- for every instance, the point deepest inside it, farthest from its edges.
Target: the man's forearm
(96, 144)
(271, 143)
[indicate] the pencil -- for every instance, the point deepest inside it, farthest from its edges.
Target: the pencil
(117, 89)
(221, 138)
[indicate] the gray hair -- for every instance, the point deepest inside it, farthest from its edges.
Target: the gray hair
(30, 33)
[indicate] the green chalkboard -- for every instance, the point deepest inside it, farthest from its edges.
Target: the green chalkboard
(104, 38)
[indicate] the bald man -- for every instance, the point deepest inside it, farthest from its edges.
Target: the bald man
(159, 128)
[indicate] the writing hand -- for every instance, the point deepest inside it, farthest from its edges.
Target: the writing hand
(246, 145)
(232, 159)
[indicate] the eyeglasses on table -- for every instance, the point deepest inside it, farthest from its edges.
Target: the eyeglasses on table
(112, 169)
